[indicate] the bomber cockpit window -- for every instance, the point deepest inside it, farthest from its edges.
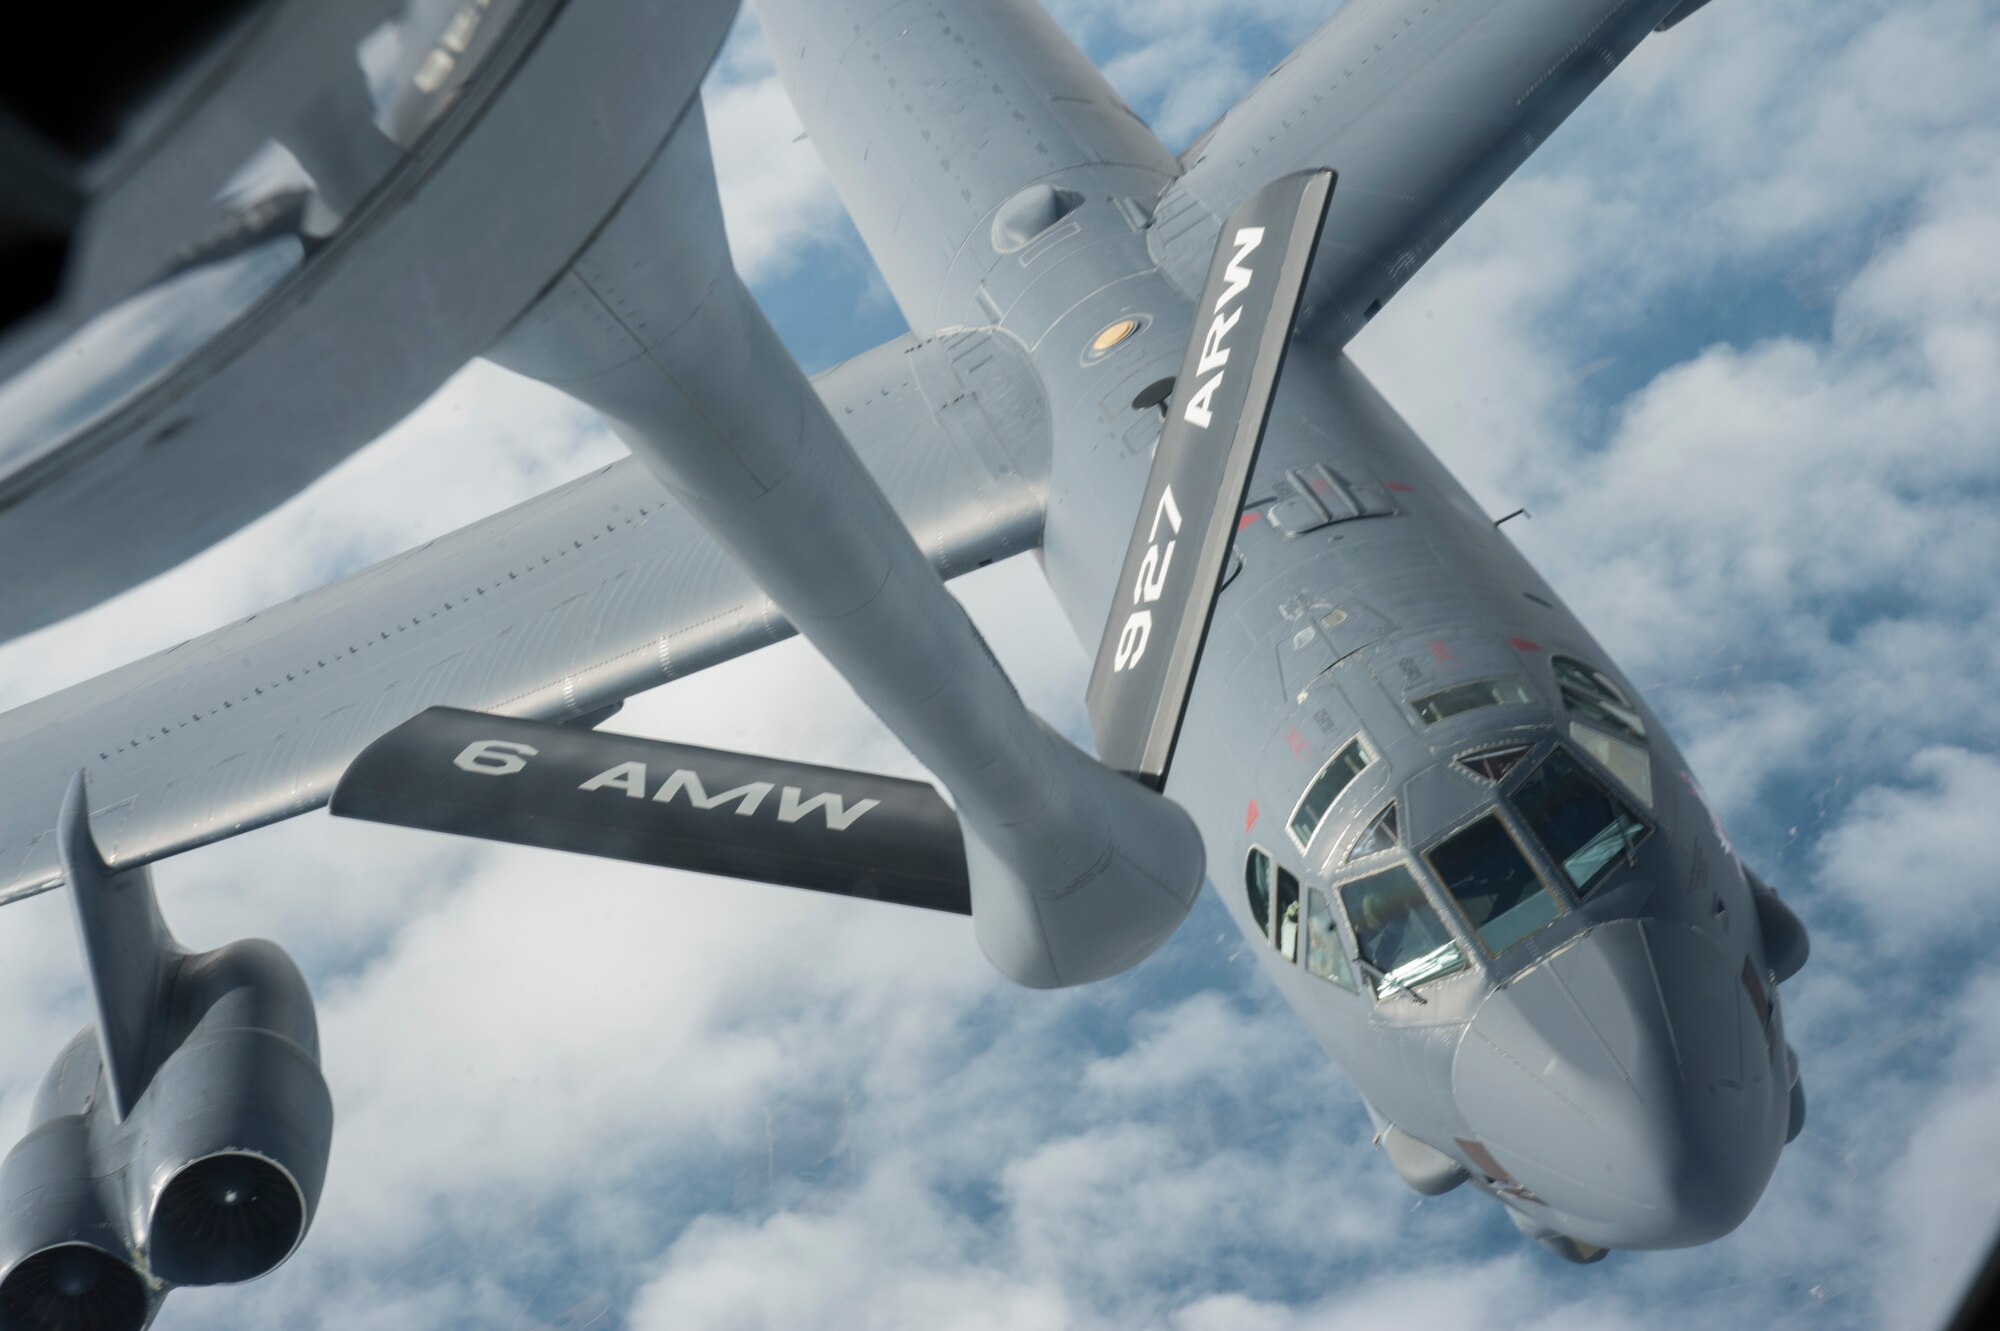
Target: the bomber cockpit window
(1324, 956)
(1257, 884)
(1435, 707)
(1288, 915)
(1591, 694)
(1263, 881)
(1396, 932)
(1486, 873)
(1381, 835)
(1608, 726)
(1336, 776)
(1584, 827)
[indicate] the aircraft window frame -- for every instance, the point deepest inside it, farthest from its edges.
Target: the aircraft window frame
(1326, 954)
(1272, 918)
(1286, 916)
(1515, 753)
(1591, 694)
(1629, 764)
(1469, 689)
(1387, 818)
(1508, 937)
(1259, 894)
(1447, 958)
(1358, 742)
(1624, 848)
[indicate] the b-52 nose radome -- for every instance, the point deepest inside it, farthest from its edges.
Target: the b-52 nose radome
(1628, 1089)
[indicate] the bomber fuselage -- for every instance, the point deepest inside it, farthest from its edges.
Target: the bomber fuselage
(1466, 851)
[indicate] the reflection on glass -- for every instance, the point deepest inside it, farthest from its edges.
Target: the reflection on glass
(1461, 698)
(130, 347)
(1381, 835)
(1592, 695)
(1324, 956)
(1339, 772)
(1632, 765)
(1583, 826)
(1494, 884)
(1494, 764)
(1395, 929)
(1257, 883)
(1288, 915)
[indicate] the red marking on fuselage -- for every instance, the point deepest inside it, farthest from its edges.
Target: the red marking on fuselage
(1320, 486)
(1250, 816)
(1523, 645)
(1401, 488)
(1246, 522)
(1442, 654)
(1296, 742)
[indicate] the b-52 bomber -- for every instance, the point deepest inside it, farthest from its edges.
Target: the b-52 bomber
(1472, 860)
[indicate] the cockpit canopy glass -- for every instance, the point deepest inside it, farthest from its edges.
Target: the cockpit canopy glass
(1324, 955)
(1336, 776)
(1382, 835)
(1396, 931)
(1632, 765)
(1494, 764)
(1584, 827)
(1459, 698)
(1288, 915)
(1263, 881)
(1487, 874)
(1594, 697)
(1257, 872)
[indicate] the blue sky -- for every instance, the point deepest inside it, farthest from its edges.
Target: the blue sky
(1730, 336)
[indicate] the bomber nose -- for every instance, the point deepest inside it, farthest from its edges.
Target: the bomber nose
(1628, 1088)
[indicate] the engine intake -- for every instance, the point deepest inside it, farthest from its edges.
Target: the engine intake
(227, 1217)
(72, 1287)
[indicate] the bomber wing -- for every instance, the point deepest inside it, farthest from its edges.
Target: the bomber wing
(554, 610)
(1423, 106)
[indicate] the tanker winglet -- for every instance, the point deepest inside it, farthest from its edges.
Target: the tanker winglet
(1215, 423)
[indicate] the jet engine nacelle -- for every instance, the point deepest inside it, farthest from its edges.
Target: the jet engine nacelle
(64, 1261)
(182, 1139)
(235, 1128)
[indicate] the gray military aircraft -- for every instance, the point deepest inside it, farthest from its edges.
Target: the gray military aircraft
(1478, 868)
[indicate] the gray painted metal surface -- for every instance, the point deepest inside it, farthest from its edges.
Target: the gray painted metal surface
(174, 406)
(183, 1140)
(1465, 850)
(598, 590)
(1076, 873)
(1423, 106)
(568, 787)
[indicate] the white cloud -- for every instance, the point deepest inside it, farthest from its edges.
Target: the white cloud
(1916, 861)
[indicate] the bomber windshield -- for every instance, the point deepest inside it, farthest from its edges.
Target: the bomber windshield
(1584, 827)
(1592, 696)
(1395, 929)
(1336, 776)
(1493, 883)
